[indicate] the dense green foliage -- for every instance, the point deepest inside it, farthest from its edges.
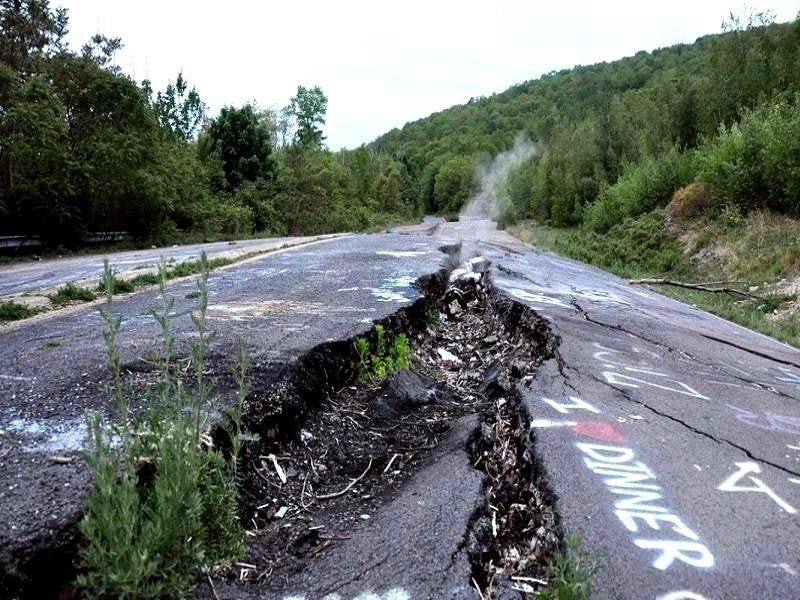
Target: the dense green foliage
(14, 311)
(84, 148)
(71, 293)
(382, 356)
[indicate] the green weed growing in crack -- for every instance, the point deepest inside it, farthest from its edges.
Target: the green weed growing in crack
(164, 506)
(384, 356)
(571, 572)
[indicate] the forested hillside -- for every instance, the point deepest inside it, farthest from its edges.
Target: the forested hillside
(618, 138)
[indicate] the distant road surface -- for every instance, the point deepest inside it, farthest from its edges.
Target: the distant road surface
(45, 275)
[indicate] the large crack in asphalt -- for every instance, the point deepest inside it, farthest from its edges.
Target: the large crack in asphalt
(750, 350)
(687, 355)
(346, 453)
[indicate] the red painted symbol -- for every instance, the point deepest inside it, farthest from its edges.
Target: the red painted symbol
(599, 431)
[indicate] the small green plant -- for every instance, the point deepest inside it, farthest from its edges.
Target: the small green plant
(192, 267)
(71, 293)
(432, 315)
(14, 311)
(54, 343)
(110, 282)
(145, 279)
(571, 572)
(385, 356)
(164, 506)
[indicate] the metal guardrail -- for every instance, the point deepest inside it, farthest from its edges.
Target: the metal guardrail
(34, 241)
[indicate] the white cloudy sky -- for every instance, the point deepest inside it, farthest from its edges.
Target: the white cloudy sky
(382, 63)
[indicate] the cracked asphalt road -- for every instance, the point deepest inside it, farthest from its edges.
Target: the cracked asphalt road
(670, 438)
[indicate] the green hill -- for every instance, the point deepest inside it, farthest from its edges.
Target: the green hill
(596, 123)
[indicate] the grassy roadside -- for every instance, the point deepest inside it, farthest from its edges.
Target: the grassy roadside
(756, 253)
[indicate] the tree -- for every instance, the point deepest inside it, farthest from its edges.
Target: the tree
(240, 141)
(453, 184)
(101, 50)
(179, 110)
(308, 108)
(28, 27)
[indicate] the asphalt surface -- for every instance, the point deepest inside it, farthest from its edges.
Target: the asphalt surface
(670, 438)
(44, 276)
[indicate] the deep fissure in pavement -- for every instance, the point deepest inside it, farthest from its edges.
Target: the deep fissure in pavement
(334, 454)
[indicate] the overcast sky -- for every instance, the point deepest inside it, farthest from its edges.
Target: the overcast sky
(382, 63)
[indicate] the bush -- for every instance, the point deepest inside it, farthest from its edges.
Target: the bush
(71, 293)
(14, 311)
(115, 284)
(688, 202)
(383, 357)
(756, 163)
(637, 246)
(642, 187)
(164, 506)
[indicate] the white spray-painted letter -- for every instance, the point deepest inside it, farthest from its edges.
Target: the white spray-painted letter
(691, 553)
(574, 404)
(745, 468)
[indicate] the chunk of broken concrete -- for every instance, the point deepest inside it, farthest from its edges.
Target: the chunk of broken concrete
(448, 356)
(402, 394)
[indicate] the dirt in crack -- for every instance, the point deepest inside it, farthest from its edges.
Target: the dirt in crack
(353, 454)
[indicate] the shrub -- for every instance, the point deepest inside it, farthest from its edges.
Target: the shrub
(115, 285)
(637, 246)
(14, 311)
(71, 293)
(144, 279)
(756, 162)
(164, 506)
(642, 187)
(688, 202)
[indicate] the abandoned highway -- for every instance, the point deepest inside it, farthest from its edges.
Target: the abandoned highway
(669, 438)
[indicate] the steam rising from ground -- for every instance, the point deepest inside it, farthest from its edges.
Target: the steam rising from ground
(492, 197)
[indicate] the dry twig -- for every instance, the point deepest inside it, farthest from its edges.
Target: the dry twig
(349, 485)
(703, 287)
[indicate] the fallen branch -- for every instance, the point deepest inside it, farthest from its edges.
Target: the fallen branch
(211, 585)
(703, 287)
(349, 485)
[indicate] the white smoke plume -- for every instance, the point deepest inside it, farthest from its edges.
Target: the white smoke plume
(491, 198)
